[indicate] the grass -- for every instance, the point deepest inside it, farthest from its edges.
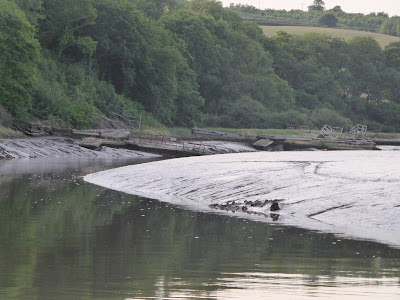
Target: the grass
(186, 133)
(346, 34)
(8, 133)
(387, 135)
(251, 132)
(179, 132)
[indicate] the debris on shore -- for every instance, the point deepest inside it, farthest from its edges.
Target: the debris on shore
(248, 205)
(202, 142)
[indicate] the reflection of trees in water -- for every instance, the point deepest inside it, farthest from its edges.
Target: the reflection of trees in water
(59, 234)
(39, 212)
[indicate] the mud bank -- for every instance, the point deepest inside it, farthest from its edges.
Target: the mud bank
(351, 194)
(49, 147)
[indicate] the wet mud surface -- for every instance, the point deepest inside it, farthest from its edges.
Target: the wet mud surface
(351, 194)
(59, 147)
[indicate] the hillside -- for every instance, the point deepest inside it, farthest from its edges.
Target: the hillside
(346, 34)
(80, 63)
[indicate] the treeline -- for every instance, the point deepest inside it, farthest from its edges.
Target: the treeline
(335, 17)
(314, 17)
(391, 26)
(185, 63)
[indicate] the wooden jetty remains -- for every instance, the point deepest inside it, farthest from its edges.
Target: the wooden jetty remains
(168, 145)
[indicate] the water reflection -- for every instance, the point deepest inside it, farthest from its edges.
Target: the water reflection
(63, 239)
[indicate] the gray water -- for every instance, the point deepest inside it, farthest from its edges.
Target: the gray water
(61, 238)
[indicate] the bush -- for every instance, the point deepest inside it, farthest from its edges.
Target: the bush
(245, 113)
(209, 120)
(64, 92)
(280, 120)
(5, 117)
(70, 95)
(386, 113)
(328, 20)
(319, 117)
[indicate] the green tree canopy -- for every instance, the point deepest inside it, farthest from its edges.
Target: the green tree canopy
(33, 10)
(318, 5)
(156, 8)
(337, 9)
(391, 26)
(328, 20)
(228, 58)
(392, 55)
(144, 62)
(19, 51)
(183, 62)
(62, 22)
(367, 64)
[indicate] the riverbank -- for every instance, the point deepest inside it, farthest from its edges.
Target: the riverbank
(53, 147)
(60, 147)
(52, 142)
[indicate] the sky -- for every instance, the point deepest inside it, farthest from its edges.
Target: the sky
(392, 7)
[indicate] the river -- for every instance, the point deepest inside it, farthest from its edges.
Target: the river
(62, 238)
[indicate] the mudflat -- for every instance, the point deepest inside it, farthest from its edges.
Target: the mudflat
(351, 194)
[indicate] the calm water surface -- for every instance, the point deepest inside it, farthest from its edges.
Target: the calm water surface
(63, 239)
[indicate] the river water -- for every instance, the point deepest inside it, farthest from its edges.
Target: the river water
(62, 238)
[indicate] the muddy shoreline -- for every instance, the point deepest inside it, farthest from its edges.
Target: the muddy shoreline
(351, 194)
(60, 147)
(269, 179)
(51, 146)
(122, 143)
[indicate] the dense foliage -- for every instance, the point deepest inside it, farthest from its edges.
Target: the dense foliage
(318, 5)
(18, 54)
(328, 20)
(184, 63)
(391, 26)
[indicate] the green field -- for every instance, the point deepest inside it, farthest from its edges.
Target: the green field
(346, 34)
(186, 133)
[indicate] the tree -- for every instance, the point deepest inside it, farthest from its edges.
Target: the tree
(63, 20)
(328, 20)
(318, 5)
(228, 57)
(392, 55)
(382, 14)
(156, 8)
(337, 9)
(367, 66)
(144, 62)
(19, 51)
(391, 26)
(33, 10)
(245, 113)
(311, 65)
(392, 72)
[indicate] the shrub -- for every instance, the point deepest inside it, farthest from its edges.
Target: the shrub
(245, 113)
(5, 117)
(319, 117)
(328, 20)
